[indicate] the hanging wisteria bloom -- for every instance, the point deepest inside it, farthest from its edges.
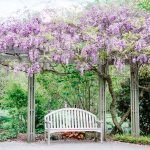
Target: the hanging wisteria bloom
(99, 33)
(122, 35)
(119, 64)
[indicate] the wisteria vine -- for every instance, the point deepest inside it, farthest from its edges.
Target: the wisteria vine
(110, 33)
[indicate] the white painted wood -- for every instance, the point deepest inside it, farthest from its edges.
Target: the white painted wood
(71, 119)
(75, 117)
(87, 120)
(57, 121)
(78, 121)
(60, 119)
(54, 117)
(63, 119)
(84, 121)
(66, 121)
(50, 120)
(81, 120)
(90, 122)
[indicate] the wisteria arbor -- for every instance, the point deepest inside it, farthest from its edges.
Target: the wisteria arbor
(102, 36)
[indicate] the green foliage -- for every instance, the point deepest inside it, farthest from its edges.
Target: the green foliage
(3, 82)
(7, 129)
(40, 111)
(15, 101)
(145, 4)
(7, 135)
(127, 138)
(72, 89)
(15, 97)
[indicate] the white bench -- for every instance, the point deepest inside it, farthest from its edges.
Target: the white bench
(71, 119)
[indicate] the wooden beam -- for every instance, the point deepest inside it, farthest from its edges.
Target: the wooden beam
(31, 110)
(134, 92)
(102, 97)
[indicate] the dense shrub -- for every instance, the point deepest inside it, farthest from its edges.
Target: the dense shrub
(15, 101)
(6, 129)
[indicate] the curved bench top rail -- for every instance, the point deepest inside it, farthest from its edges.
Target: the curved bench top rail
(77, 109)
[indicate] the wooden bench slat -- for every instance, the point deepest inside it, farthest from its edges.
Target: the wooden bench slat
(72, 119)
(84, 120)
(75, 117)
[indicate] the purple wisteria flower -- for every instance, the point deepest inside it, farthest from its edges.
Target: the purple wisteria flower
(97, 33)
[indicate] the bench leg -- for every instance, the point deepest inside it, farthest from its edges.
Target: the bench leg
(45, 135)
(101, 137)
(48, 137)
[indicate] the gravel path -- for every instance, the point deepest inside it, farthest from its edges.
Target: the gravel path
(15, 145)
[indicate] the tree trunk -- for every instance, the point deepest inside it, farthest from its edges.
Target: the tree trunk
(123, 118)
(113, 104)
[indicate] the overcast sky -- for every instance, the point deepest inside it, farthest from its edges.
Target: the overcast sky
(10, 7)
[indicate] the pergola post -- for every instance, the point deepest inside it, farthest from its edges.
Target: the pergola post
(31, 110)
(102, 97)
(134, 92)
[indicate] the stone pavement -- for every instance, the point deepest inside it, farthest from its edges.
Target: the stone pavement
(66, 145)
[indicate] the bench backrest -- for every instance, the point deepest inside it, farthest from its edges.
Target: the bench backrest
(71, 118)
